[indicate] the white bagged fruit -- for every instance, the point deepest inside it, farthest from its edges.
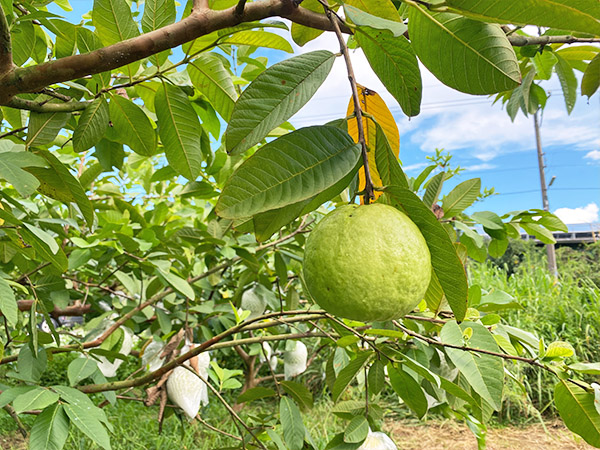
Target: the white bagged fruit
(151, 359)
(109, 369)
(254, 302)
(185, 389)
(294, 360)
(378, 441)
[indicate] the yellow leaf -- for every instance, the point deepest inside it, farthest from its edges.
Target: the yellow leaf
(372, 104)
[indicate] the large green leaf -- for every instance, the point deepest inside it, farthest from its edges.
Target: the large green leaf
(44, 127)
(113, 21)
(258, 39)
(291, 422)
(299, 393)
(11, 169)
(23, 41)
(275, 96)
(80, 369)
(91, 126)
(295, 167)
(395, 63)
(50, 430)
(576, 408)
(157, 14)
(572, 15)
(379, 8)
(591, 77)
(461, 197)
(58, 259)
(364, 19)
(348, 373)
(568, 82)
(131, 126)
(38, 398)
(213, 80)
(89, 425)
(8, 303)
(179, 130)
(445, 261)
(485, 373)
(467, 55)
(409, 390)
(58, 181)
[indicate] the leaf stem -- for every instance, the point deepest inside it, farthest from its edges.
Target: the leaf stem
(334, 19)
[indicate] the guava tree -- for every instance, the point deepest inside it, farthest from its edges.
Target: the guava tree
(152, 184)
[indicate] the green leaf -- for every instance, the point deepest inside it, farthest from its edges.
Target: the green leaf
(213, 80)
(461, 197)
(379, 8)
(10, 394)
(376, 377)
(82, 402)
(348, 373)
(177, 283)
(157, 14)
(255, 394)
(113, 21)
(591, 368)
(364, 19)
(299, 393)
(395, 63)
(43, 236)
(91, 126)
(8, 303)
(88, 425)
(23, 41)
(80, 369)
(11, 169)
(44, 127)
(291, 422)
(387, 162)
(409, 390)
(179, 130)
(50, 429)
(485, 373)
(559, 349)
(38, 398)
(488, 219)
(591, 77)
(467, 55)
(433, 189)
(539, 232)
(131, 126)
(295, 167)
(58, 259)
(357, 430)
(275, 96)
(445, 261)
(59, 175)
(258, 39)
(302, 34)
(581, 15)
(568, 82)
(576, 408)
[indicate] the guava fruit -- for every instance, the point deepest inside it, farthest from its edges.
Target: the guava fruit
(367, 263)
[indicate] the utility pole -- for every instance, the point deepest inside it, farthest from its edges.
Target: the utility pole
(540, 154)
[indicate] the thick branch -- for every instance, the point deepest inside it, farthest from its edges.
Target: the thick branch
(199, 23)
(6, 61)
(75, 310)
(520, 41)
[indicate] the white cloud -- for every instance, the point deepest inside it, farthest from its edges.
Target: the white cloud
(417, 166)
(584, 214)
(593, 155)
(479, 167)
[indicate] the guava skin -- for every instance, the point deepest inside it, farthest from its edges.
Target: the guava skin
(367, 263)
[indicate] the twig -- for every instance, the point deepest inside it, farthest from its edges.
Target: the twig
(10, 133)
(426, 319)
(6, 61)
(215, 429)
(229, 408)
(41, 266)
(199, 4)
(29, 105)
(520, 41)
(239, 9)
(9, 409)
(368, 191)
(58, 95)
(25, 12)
(531, 361)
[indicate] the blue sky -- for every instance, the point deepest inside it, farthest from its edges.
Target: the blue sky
(481, 137)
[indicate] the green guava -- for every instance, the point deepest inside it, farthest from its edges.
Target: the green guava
(367, 263)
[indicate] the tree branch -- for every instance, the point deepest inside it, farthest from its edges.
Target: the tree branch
(368, 192)
(6, 61)
(520, 41)
(75, 310)
(20, 103)
(199, 23)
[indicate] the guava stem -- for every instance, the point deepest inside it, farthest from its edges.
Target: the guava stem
(335, 22)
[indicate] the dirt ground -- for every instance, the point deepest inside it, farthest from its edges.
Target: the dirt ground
(456, 436)
(451, 436)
